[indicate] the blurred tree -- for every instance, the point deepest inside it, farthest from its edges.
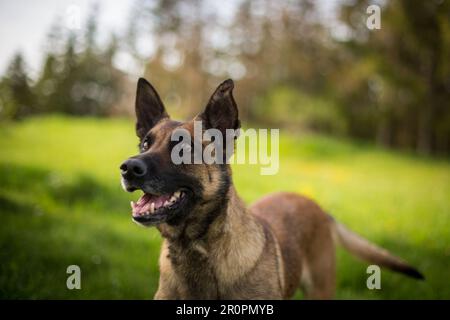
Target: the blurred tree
(399, 85)
(78, 78)
(285, 52)
(16, 95)
(175, 30)
(265, 45)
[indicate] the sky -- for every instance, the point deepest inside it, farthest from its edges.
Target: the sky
(24, 24)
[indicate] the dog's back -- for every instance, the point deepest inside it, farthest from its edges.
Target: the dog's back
(307, 236)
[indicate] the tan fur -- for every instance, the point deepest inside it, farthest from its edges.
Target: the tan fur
(240, 255)
(247, 265)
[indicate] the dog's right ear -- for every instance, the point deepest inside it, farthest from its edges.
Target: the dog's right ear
(149, 108)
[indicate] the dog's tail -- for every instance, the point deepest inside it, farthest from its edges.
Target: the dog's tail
(365, 250)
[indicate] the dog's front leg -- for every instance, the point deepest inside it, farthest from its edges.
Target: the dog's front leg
(166, 289)
(163, 294)
(168, 284)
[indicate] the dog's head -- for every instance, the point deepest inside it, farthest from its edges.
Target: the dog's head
(174, 191)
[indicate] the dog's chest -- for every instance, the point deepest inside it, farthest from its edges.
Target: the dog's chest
(194, 273)
(198, 276)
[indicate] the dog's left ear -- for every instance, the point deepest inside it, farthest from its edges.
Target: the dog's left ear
(221, 111)
(149, 108)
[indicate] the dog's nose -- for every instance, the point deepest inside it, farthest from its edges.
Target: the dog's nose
(133, 168)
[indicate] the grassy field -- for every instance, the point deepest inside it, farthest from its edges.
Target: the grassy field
(61, 204)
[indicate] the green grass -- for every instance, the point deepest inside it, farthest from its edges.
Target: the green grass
(61, 204)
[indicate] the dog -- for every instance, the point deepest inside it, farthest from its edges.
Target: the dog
(215, 247)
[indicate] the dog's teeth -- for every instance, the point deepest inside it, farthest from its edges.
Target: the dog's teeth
(173, 199)
(166, 203)
(152, 207)
(132, 204)
(176, 194)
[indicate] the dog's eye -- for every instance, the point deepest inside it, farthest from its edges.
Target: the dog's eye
(145, 144)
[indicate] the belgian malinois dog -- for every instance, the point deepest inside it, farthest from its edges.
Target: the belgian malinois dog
(214, 246)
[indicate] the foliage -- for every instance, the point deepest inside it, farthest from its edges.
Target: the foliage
(287, 107)
(403, 84)
(17, 98)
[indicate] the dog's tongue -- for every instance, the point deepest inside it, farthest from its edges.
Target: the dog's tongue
(144, 203)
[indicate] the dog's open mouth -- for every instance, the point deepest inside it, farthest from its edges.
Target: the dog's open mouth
(151, 209)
